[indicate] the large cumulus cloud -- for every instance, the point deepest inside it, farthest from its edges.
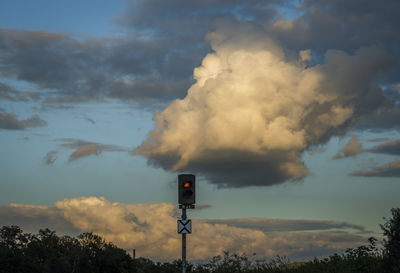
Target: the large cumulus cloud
(151, 229)
(254, 108)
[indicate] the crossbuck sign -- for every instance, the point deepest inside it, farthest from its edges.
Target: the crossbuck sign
(184, 226)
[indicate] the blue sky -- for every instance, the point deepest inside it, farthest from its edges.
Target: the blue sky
(281, 121)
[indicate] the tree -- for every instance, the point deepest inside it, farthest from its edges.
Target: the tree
(391, 229)
(13, 242)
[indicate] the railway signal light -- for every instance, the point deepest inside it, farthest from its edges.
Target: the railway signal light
(186, 189)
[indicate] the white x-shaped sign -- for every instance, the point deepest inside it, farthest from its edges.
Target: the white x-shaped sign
(184, 226)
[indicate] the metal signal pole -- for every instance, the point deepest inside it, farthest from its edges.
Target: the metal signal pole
(183, 242)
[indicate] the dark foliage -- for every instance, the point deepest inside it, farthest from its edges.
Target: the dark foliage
(391, 230)
(46, 252)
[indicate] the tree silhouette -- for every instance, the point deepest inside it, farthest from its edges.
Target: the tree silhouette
(391, 229)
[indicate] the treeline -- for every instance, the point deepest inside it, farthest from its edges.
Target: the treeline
(46, 252)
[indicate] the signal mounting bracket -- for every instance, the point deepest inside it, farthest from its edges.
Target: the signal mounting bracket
(187, 206)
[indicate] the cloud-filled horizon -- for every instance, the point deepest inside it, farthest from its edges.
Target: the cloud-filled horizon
(151, 229)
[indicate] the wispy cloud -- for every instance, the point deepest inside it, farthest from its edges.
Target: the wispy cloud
(9, 93)
(50, 157)
(352, 148)
(391, 169)
(285, 225)
(89, 149)
(86, 148)
(378, 139)
(203, 206)
(9, 121)
(391, 148)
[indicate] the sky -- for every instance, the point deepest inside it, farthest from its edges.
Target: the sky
(287, 112)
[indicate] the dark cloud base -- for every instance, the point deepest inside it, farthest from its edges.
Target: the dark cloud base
(230, 168)
(33, 218)
(283, 225)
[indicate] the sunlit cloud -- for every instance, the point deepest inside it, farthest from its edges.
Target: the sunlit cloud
(86, 148)
(151, 229)
(352, 148)
(254, 109)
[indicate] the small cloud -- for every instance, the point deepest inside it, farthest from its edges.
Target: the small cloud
(391, 169)
(281, 225)
(9, 93)
(32, 95)
(89, 149)
(378, 139)
(305, 55)
(50, 157)
(85, 148)
(204, 206)
(352, 148)
(9, 121)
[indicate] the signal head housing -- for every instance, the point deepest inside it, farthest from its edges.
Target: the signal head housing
(186, 189)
